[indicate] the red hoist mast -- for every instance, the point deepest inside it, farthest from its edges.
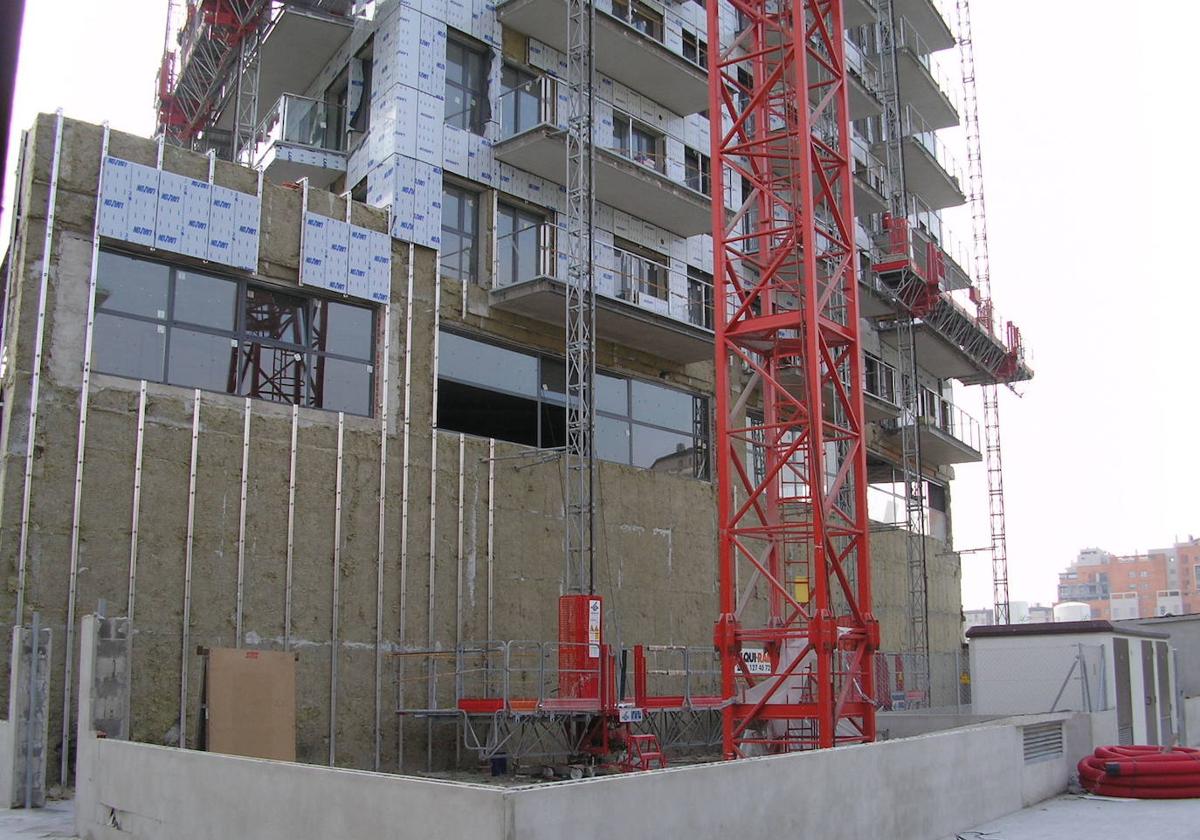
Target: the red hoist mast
(796, 633)
(987, 315)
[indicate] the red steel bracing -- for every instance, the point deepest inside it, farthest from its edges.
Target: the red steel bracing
(796, 632)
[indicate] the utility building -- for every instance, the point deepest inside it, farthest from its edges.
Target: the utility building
(292, 377)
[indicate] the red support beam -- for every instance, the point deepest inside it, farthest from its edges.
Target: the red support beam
(795, 580)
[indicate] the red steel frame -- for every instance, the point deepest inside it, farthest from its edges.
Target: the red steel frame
(795, 579)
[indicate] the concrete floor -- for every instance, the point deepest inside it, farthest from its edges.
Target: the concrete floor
(55, 821)
(1071, 817)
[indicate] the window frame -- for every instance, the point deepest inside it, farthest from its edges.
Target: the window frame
(701, 403)
(474, 117)
(697, 169)
(455, 270)
(518, 210)
(240, 338)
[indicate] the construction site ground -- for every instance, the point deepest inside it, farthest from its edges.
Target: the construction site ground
(1086, 817)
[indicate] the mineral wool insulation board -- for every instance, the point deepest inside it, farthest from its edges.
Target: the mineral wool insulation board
(157, 209)
(346, 259)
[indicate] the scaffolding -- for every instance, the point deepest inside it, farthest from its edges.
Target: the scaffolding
(521, 700)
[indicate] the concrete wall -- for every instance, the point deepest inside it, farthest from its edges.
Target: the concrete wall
(921, 787)
(657, 531)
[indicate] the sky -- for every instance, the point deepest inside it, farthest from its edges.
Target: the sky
(1091, 182)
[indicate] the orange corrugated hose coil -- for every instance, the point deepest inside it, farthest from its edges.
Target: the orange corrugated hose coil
(1142, 772)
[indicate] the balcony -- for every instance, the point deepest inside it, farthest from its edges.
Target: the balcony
(859, 12)
(640, 303)
(631, 171)
(925, 85)
(870, 181)
(302, 138)
(880, 395)
(629, 47)
(930, 18)
(865, 83)
(299, 43)
(930, 171)
(948, 434)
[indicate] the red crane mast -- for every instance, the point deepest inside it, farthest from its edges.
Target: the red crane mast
(796, 633)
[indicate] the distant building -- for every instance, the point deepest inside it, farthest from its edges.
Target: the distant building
(1039, 614)
(1161, 581)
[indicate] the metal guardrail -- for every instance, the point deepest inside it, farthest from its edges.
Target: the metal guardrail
(647, 283)
(303, 121)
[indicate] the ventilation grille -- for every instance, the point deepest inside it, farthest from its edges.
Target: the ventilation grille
(1042, 741)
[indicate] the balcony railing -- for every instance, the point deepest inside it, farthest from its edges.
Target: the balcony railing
(531, 253)
(301, 121)
(536, 103)
(949, 419)
(916, 127)
(879, 379)
(908, 38)
(866, 70)
(528, 105)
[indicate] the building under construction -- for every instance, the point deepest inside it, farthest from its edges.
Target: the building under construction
(418, 321)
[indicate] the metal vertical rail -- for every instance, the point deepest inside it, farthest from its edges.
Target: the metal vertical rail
(787, 313)
(433, 466)
(385, 396)
(80, 447)
(983, 282)
(137, 502)
(491, 534)
(39, 343)
(291, 535)
(405, 440)
(187, 573)
(241, 550)
(335, 610)
(917, 637)
(580, 297)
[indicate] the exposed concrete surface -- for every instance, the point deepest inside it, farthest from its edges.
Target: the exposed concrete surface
(1071, 817)
(56, 820)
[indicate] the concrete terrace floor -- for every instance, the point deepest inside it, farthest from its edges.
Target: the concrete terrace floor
(1072, 817)
(56, 821)
(1067, 817)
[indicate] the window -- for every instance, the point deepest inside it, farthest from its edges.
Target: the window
(466, 84)
(697, 170)
(520, 100)
(640, 271)
(695, 49)
(494, 391)
(460, 233)
(640, 16)
(700, 298)
(637, 142)
(198, 330)
(519, 234)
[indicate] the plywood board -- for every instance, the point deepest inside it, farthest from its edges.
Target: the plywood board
(252, 703)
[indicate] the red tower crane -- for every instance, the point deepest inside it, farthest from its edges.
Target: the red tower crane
(796, 633)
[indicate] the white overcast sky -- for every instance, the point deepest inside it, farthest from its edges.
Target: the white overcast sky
(1092, 184)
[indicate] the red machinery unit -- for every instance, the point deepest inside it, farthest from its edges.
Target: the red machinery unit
(580, 646)
(795, 632)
